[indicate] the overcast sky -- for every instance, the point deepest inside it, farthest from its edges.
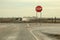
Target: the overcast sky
(20, 8)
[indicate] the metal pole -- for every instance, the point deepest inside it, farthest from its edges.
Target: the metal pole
(36, 17)
(40, 17)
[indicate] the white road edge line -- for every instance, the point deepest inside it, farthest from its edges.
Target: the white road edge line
(32, 33)
(28, 25)
(45, 38)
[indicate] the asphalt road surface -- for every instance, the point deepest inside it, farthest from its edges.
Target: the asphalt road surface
(25, 31)
(11, 31)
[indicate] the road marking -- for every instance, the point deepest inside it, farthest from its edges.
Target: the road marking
(11, 38)
(32, 32)
(43, 37)
(28, 25)
(34, 35)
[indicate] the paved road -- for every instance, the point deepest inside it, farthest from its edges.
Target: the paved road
(31, 31)
(46, 32)
(11, 31)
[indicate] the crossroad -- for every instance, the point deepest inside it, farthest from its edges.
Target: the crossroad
(27, 31)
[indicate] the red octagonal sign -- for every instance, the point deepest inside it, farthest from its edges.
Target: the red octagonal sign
(38, 9)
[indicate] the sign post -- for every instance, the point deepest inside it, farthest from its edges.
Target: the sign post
(38, 9)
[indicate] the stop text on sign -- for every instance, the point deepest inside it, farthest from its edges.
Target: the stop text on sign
(38, 8)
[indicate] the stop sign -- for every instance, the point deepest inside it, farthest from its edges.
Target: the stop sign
(38, 8)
